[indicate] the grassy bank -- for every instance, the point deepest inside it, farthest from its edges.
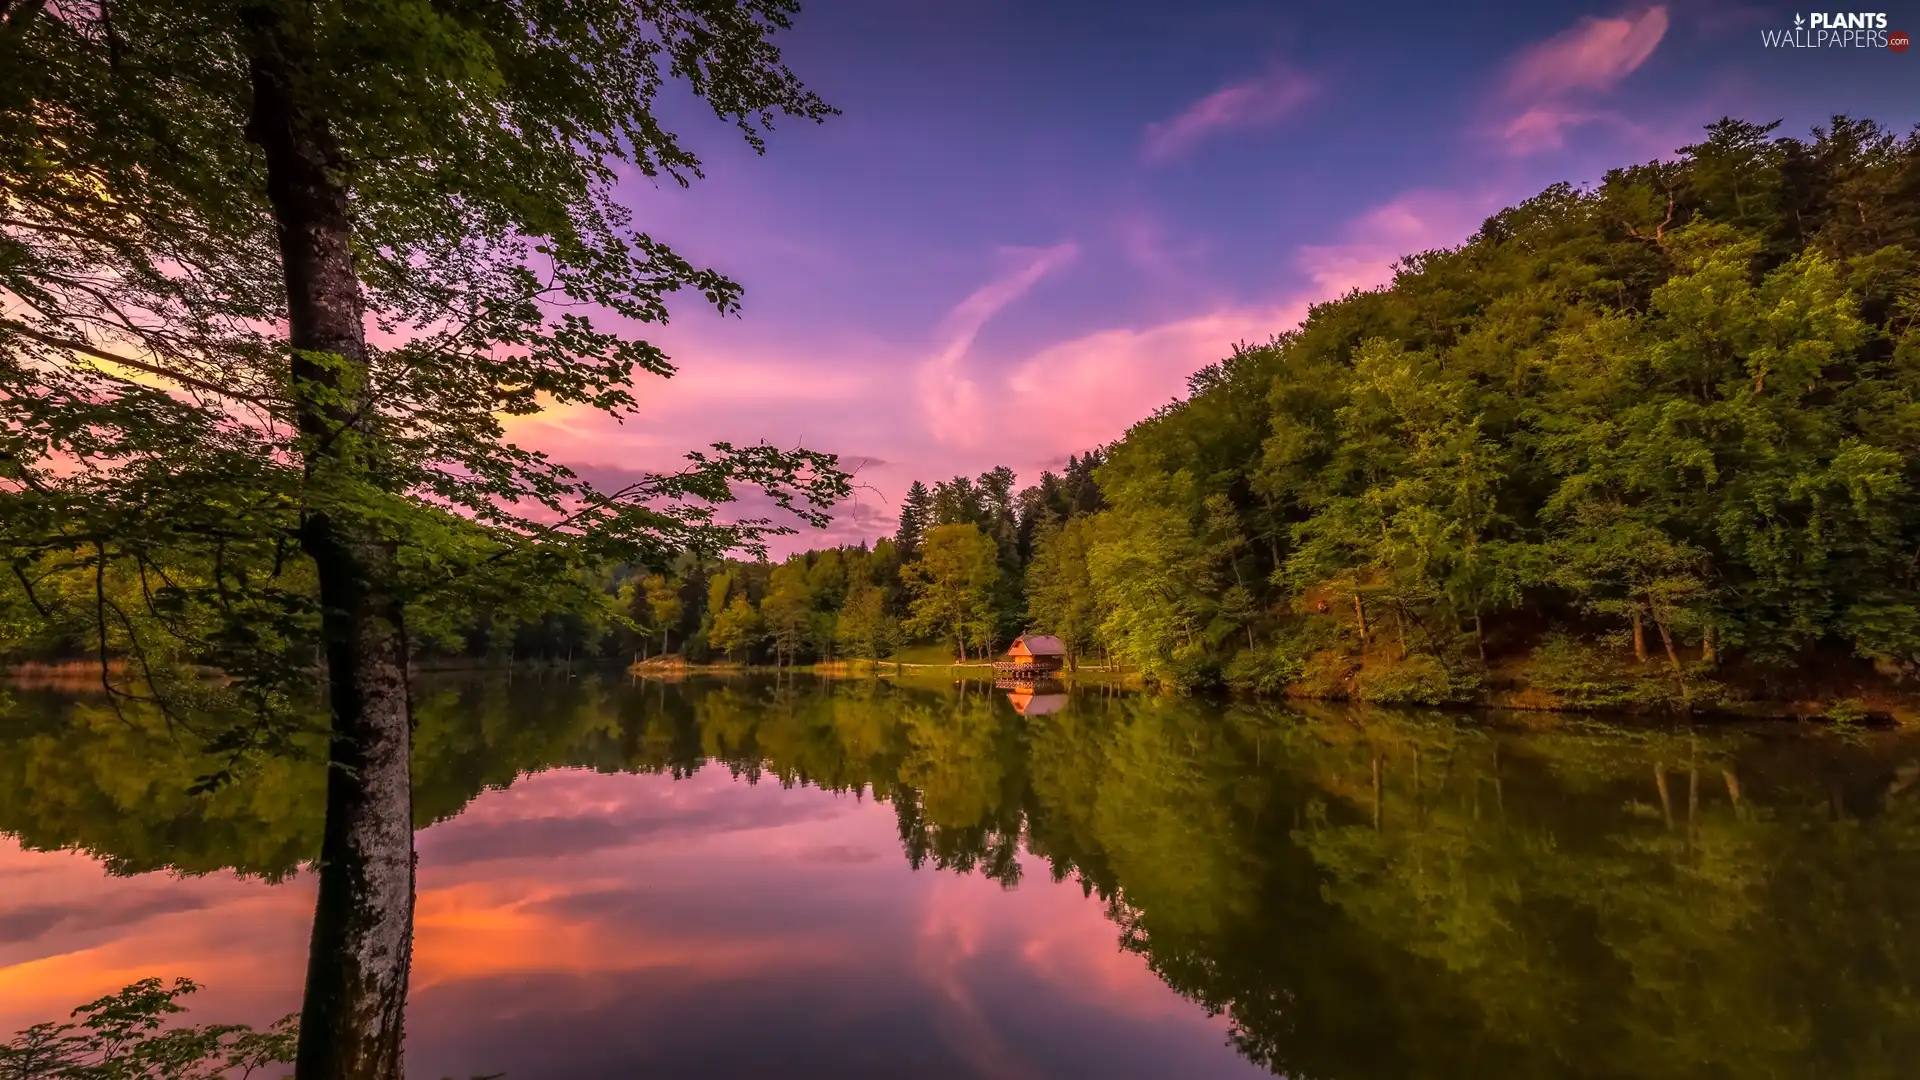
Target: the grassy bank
(1560, 676)
(1566, 676)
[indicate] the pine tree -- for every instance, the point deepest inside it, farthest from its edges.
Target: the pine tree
(916, 516)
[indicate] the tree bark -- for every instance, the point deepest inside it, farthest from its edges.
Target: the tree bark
(361, 947)
(1639, 637)
(1360, 619)
(1666, 640)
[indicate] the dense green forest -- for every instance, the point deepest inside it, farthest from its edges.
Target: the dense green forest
(1649, 442)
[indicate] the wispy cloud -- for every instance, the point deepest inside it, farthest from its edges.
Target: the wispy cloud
(949, 398)
(1550, 85)
(1416, 221)
(1252, 103)
(1594, 54)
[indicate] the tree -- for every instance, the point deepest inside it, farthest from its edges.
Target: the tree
(1144, 566)
(131, 1033)
(865, 628)
(916, 516)
(827, 578)
(205, 205)
(663, 600)
(787, 609)
(958, 502)
(952, 586)
(1060, 595)
(719, 589)
(737, 627)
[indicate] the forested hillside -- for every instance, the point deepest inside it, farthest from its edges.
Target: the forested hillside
(1639, 438)
(1670, 419)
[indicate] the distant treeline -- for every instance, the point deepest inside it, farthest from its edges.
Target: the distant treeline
(954, 575)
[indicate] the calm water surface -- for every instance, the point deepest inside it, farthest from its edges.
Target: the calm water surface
(841, 879)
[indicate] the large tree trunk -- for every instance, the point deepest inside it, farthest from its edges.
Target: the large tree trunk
(361, 948)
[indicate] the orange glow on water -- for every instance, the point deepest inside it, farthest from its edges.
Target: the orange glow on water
(700, 889)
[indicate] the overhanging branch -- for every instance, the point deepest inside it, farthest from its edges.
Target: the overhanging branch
(189, 381)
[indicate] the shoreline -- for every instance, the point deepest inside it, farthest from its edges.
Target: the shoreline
(1706, 699)
(1637, 695)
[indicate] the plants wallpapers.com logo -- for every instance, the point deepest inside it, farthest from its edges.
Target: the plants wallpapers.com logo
(1838, 29)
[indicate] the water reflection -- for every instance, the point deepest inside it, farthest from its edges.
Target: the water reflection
(1347, 894)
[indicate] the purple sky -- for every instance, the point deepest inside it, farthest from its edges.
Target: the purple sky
(1034, 220)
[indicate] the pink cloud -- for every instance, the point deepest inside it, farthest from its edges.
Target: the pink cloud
(950, 399)
(1409, 224)
(962, 408)
(1251, 103)
(1148, 244)
(1088, 390)
(1543, 127)
(1551, 83)
(1592, 55)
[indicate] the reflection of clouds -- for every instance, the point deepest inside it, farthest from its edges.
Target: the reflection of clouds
(243, 940)
(117, 913)
(558, 814)
(513, 927)
(1047, 928)
(687, 912)
(949, 944)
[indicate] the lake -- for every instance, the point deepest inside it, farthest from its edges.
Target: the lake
(847, 879)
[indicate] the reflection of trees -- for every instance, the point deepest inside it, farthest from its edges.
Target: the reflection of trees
(1362, 894)
(1649, 906)
(119, 786)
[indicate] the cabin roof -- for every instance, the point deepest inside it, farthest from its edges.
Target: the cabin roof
(1037, 645)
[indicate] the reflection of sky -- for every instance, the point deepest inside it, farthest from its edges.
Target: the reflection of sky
(583, 924)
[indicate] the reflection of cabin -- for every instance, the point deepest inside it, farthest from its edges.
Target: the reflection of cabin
(1032, 655)
(1027, 703)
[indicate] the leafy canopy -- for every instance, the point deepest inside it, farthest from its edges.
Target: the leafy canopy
(148, 438)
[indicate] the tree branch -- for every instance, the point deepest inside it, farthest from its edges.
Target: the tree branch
(62, 230)
(14, 20)
(81, 347)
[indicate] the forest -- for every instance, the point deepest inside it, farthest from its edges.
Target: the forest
(1646, 443)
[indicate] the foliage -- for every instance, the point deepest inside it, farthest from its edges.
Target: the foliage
(185, 449)
(952, 585)
(1060, 592)
(1673, 413)
(736, 627)
(125, 1036)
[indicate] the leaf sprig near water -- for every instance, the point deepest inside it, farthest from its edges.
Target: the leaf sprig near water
(125, 1036)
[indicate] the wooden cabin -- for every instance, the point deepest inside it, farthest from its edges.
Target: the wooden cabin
(1032, 655)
